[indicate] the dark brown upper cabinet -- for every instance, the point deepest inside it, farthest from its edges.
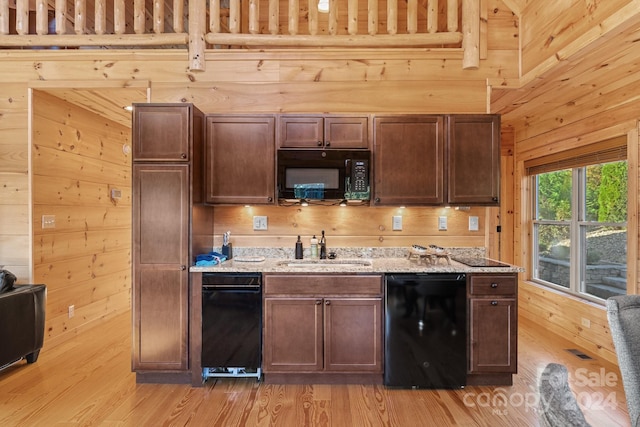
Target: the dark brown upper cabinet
(437, 160)
(161, 132)
(240, 159)
(409, 156)
(323, 131)
(473, 159)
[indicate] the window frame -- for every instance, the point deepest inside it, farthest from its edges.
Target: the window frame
(578, 225)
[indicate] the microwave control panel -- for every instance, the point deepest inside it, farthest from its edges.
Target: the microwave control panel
(359, 174)
(357, 185)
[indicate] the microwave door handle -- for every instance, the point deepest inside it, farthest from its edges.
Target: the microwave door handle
(347, 167)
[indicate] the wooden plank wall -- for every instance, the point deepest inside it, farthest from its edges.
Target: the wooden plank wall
(349, 226)
(549, 27)
(77, 160)
(15, 248)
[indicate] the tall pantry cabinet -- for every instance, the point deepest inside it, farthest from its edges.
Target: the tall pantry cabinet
(170, 226)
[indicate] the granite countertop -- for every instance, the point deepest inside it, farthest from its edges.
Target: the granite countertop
(348, 265)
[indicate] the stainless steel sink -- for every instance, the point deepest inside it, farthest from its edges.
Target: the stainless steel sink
(319, 263)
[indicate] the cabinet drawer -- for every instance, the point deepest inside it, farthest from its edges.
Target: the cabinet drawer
(325, 285)
(493, 285)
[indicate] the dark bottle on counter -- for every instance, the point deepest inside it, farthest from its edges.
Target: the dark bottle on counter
(323, 247)
(299, 249)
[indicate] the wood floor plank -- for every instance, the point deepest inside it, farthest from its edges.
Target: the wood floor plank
(87, 381)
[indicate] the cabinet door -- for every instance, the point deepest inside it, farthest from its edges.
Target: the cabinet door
(240, 159)
(493, 346)
(292, 335)
(306, 131)
(300, 132)
(161, 132)
(409, 160)
(474, 159)
(346, 132)
(353, 334)
(160, 259)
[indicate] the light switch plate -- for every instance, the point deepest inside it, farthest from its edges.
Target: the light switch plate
(259, 223)
(397, 223)
(442, 223)
(473, 223)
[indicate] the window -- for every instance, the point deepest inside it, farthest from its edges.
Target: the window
(580, 224)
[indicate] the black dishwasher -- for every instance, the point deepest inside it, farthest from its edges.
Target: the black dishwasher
(231, 324)
(425, 330)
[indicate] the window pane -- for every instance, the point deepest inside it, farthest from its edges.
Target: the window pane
(554, 247)
(554, 195)
(606, 192)
(605, 272)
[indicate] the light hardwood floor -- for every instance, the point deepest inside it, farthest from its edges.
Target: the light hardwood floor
(88, 381)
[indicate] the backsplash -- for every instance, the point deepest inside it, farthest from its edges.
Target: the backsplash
(348, 229)
(354, 252)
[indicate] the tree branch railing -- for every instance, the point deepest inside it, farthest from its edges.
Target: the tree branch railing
(248, 24)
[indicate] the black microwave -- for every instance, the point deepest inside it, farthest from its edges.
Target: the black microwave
(324, 174)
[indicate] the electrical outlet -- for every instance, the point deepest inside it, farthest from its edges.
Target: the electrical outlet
(397, 223)
(260, 223)
(442, 223)
(72, 311)
(473, 223)
(586, 322)
(48, 221)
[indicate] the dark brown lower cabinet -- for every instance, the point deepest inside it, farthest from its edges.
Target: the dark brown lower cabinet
(323, 328)
(493, 331)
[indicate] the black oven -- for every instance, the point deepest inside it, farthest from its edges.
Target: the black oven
(324, 174)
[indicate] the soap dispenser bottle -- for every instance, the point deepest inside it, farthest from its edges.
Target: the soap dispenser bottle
(314, 247)
(299, 249)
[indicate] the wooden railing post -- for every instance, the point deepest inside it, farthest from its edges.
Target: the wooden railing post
(178, 16)
(392, 16)
(333, 17)
(119, 16)
(452, 15)
(214, 16)
(294, 8)
(234, 16)
(197, 30)
(274, 15)
(352, 26)
(100, 16)
(42, 21)
(61, 17)
(138, 16)
(412, 16)
(80, 16)
(22, 17)
(158, 16)
(470, 34)
(372, 15)
(313, 17)
(4, 17)
(254, 16)
(432, 16)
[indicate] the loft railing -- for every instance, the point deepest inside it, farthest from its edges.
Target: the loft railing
(236, 24)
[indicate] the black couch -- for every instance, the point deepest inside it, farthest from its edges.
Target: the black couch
(22, 311)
